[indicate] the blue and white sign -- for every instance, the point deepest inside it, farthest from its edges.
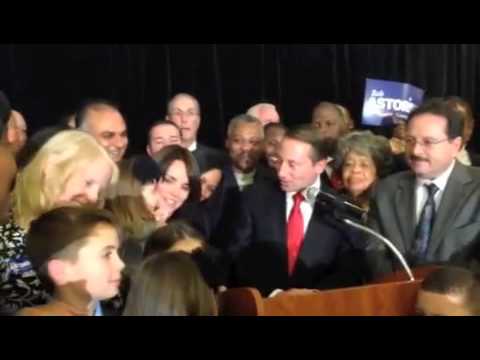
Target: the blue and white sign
(387, 102)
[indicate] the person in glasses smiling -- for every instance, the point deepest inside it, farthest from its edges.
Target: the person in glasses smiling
(430, 212)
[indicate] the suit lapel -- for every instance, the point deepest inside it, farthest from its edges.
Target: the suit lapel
(405, 209)
(279, 217)
(456, 191)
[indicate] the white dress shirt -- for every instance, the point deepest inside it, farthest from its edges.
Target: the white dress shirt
(306, 207)
(421, 192)
(244, 179)
(193, 147)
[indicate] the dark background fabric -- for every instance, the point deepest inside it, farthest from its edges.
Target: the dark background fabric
(47, 81)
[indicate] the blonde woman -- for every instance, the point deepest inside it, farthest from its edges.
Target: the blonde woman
(72, 169)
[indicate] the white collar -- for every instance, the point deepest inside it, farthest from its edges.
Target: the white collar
(315, 190)
(193, 146)
(441, 180)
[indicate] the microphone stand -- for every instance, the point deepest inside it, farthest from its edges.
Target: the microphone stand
(341, 209)
(385, 241)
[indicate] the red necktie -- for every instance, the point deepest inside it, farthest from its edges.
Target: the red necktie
(294, 232)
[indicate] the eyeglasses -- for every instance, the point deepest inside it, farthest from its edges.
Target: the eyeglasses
(425, 143)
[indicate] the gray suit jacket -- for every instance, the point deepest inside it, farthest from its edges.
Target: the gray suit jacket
(456, 231)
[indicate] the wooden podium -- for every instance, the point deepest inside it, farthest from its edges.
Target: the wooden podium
(391, 295)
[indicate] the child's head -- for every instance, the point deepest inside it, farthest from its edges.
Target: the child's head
(76, 248)
(176, 236)
(170, 284)
(449, 291)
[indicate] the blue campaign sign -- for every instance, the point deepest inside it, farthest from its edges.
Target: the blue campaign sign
(387, 102)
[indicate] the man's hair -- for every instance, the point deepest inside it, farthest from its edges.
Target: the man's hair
(455, 281)
(463, 107)
(270, 126)
(244, 119)
(179, 95)
(309, 134)
(60, 233)
(342, 112)
(440, 107)
(81, 115)
(161, 123)
(255, 109)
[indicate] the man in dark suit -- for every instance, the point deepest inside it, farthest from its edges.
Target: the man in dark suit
(184, 111)
(431, 212)
(244, 144)
(285, 238)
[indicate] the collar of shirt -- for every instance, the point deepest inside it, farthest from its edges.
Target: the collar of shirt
(193, 147)
(244, 179)
(313, 189)
(440, 181)
(98, 310)
(464, 158)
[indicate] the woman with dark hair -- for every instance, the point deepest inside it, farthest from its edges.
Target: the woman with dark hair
(179, 236)
(170, 284)
(362, 158)
(178, 176)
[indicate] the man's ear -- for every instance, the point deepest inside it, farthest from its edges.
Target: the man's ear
(227, 144)
(458, 142)
(149, 152)
(57, 271)
(320, 166)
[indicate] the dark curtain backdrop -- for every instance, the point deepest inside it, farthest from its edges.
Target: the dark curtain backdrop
(46, 81)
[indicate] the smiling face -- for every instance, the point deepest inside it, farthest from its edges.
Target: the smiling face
(108, 127)
(358, 173)
(163, 135)
(429, 150)
(174, 188)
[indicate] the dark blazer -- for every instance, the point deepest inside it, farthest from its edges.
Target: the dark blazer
(456, 230)
(330, 255)
(224, 207)
(206, 156)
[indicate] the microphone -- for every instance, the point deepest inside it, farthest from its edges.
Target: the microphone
(341, 210)
(339, 204)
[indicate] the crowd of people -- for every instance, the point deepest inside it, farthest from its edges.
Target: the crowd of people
(86, 231)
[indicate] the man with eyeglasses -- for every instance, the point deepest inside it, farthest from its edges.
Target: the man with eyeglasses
(432, 211)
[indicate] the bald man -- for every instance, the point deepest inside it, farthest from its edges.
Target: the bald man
(265, 112)
(184, 111)
(104, 121)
